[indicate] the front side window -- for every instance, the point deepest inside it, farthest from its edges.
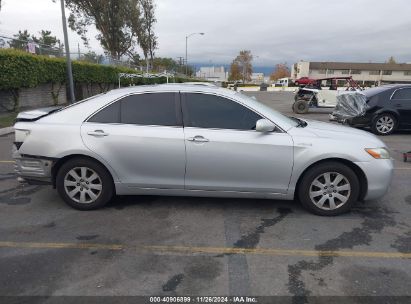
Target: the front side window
(141, 109)
(214, 112)
(402, 94)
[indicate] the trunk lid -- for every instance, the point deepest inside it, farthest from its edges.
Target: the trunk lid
(33, 115)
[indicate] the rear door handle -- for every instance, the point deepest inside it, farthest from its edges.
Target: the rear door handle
(97, 133)
(198, 138)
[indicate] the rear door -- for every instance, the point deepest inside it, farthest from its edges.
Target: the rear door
(142, 138)
(401, 101)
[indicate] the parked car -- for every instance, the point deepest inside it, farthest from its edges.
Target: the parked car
(303, 81)
(196, 141)
(388, 109)
(316, 96)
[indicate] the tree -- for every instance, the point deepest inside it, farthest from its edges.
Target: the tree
(392, 60)
(20, 40)
(92, 57)
(48, 44)
(112, 18)
(280, 71)
(148, 21)
(165, 64)
(142, 25)
(46, 39)
(241, 67)
(235, 73)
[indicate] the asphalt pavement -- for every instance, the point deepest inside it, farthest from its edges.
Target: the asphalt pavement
(152, 245)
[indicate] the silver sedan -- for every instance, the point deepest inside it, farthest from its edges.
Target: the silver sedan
(196, 141)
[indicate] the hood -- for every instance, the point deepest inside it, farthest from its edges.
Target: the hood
(334, 131)
(33, 115)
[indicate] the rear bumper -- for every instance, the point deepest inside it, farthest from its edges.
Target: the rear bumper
(379, 175)
(32, 169)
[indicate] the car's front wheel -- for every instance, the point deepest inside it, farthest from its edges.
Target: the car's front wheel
(329, 188)
(84, 184)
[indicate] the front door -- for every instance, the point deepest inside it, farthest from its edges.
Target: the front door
(401, 101)
(142, 138)
(225, 153)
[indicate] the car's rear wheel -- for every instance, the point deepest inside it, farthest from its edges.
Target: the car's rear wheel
(84, 184)
(384, 124)
(329, 188)
(300, 107)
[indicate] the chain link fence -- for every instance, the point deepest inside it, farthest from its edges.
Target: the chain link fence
(37, 48)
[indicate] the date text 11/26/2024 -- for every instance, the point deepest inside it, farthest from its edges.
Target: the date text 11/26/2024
(188, 299)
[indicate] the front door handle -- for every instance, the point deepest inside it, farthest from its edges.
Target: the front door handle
(198, 138)
(97, 133)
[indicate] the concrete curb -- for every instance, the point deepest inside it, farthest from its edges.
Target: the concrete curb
(5, 131)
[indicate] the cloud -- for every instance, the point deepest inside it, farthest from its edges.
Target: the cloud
(275, 31)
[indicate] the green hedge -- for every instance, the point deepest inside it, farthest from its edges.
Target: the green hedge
(20, 69)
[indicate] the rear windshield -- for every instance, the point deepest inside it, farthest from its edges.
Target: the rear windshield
(374, 91)
(78, 102)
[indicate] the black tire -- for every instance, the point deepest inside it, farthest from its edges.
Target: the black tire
(300, 107)
(378, 130)
(104, 179)
(331, 167)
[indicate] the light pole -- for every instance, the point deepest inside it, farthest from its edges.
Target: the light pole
(66, 42)
(188, 36)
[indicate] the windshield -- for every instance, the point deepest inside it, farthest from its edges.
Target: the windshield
(278, 118)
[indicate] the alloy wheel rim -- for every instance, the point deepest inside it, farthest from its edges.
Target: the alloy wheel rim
(330, 191)
(83, 185)
(385, 124)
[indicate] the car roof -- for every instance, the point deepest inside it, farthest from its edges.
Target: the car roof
(396, 85)
(78, 112)
(175, 87)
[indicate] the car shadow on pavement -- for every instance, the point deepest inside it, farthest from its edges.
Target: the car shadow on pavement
(361, 209)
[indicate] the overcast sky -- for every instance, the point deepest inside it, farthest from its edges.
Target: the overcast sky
(275, 31)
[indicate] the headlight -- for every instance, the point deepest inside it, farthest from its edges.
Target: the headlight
(379, 153)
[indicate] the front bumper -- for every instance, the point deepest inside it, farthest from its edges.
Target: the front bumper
(32, 169)
(379, 175)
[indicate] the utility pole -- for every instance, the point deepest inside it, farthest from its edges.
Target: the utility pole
(68, 60)
(188, 36)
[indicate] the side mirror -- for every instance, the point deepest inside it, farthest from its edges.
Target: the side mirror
(264, 125)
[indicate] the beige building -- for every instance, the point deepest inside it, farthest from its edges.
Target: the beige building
(212, 73)
(363, 73)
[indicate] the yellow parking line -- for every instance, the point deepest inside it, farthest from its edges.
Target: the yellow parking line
(210, 250)
(7, 161)
(60, 245)
(278, 252)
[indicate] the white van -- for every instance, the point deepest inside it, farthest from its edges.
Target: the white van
(283, 82)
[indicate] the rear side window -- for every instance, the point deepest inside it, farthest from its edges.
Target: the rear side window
(142, 109)
(150, 109)
(402, 94)
(214, 112)
(110, 114)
